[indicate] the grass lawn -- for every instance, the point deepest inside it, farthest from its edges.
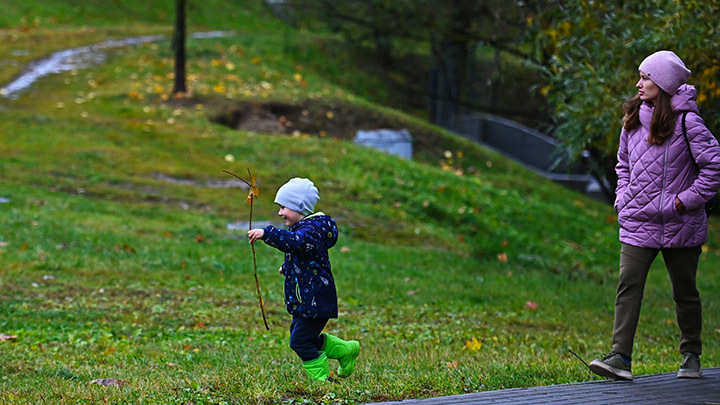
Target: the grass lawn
(458, 271)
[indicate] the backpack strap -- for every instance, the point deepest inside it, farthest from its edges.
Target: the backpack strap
(684, 132)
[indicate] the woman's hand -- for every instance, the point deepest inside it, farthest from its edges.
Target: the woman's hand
(255, 234)
(679, 206)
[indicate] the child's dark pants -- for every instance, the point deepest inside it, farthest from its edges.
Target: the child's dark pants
(305, 337)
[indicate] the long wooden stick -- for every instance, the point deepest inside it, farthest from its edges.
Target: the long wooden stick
(251, 198)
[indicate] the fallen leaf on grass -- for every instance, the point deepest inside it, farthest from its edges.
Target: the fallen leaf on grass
(345, 249)
(124, 247)
(575, 246)
(474, 345)
(531, 305)
(7, 337)
(108, 382)
(452, 365)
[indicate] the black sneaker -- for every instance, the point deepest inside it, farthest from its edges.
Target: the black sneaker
(613, 365)
(690, 367)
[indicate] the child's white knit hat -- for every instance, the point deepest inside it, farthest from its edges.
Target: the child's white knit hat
(298, 194)
(666, 70)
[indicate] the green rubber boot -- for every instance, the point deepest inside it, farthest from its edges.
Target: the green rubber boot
(318, 369)
(344, 351)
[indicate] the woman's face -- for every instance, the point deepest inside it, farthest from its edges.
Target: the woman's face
(647, 90)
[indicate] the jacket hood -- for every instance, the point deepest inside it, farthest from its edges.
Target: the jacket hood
(323, 222)
(684, 100)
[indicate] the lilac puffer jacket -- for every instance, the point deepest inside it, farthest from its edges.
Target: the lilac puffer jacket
(651, 176)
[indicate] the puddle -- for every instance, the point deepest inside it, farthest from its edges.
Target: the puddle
(244, 225)
(82, 58)
(229, 183)
(210, 34)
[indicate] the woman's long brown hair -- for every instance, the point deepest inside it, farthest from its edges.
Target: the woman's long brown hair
(662, 124)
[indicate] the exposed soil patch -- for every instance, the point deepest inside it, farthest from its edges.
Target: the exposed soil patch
(338, 120)
(311, 117)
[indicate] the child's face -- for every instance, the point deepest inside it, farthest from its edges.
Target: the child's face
(291, 217)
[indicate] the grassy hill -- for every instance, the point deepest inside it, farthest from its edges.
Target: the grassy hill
(458, 271)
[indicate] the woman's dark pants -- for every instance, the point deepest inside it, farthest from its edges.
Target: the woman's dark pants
(681, 265)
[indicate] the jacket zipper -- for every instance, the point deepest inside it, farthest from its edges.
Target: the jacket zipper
(662, 195)
(297, 290)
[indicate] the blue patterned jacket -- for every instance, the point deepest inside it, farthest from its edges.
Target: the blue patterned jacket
(309, 283)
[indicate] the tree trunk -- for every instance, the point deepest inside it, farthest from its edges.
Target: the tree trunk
(178, 45)
(452, 64)
(383, 50)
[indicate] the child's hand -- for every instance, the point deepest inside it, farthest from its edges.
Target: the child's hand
(280, 270)
(255, 234)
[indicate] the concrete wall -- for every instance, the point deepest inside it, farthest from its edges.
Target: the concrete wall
(531, 148)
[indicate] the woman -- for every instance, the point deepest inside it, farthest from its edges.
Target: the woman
(663, 184)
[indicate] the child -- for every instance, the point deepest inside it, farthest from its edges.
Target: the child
(310, 295)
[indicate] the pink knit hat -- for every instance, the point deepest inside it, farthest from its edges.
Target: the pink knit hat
(666, 70)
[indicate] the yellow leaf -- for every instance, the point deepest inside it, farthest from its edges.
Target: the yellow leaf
(474, 345)
(254, 190)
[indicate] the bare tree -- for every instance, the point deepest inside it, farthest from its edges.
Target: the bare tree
(178, 45)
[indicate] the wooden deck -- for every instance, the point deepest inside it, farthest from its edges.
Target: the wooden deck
(646, 390)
